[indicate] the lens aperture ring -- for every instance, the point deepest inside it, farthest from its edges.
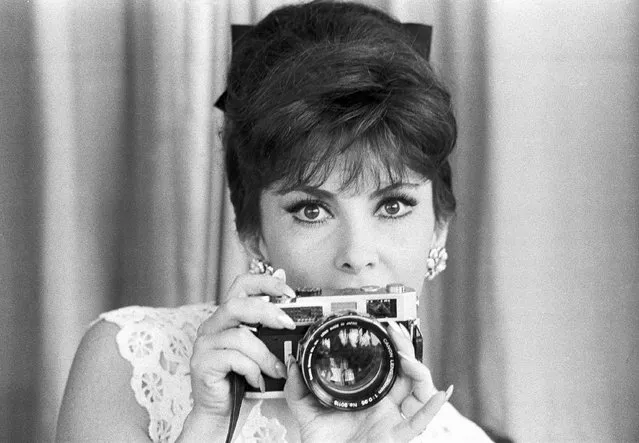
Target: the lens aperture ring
(348, 361)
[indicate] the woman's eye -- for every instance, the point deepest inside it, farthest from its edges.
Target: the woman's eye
(392, 208)
(395, 208)
(309, 213)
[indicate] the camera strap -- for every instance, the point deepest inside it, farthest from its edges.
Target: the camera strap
(238, 387)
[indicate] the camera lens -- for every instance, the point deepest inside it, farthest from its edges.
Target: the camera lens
(348, 361)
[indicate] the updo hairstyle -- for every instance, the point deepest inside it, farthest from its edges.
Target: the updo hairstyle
(324, 81)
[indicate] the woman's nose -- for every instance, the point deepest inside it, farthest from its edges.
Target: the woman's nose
(357, 250)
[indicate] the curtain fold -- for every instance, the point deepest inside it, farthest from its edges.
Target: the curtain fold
(112, 192)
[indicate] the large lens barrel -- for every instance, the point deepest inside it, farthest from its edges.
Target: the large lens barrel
(348, 361)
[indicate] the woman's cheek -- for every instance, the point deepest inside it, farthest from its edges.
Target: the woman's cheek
(408, 259)
(296, 255)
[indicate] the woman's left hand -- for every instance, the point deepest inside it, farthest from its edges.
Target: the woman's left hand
(401, 416)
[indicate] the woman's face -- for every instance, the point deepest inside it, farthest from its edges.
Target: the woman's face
(327, 238)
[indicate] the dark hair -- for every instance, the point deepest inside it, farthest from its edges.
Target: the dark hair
(325, 80)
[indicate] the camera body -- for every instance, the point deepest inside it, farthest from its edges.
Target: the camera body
(314, 308)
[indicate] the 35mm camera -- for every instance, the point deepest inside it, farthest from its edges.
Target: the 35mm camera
(343, 349)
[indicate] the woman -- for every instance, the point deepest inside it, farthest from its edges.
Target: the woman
(337, 136)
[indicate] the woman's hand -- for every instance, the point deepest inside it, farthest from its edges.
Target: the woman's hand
(223, 345)
(402, 415)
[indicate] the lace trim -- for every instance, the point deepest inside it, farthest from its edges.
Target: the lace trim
(260, 429)
(449, 426)
(158, 343)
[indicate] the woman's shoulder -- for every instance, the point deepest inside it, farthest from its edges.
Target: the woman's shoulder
(158, 344)
(98, 393)
(134, 359)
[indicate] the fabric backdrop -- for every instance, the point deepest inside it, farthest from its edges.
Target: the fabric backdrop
(112, 193)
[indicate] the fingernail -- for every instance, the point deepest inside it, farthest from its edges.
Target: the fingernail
(407, 357)
(289, 292)
(290, 361)
(286, 321)
(280, 275)
(449, 392)
(286, 290)
(404, 330)
(262, 384)
(280, 369)
(394, 326)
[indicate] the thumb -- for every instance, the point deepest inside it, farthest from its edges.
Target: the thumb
(295, 389)
(298, 398)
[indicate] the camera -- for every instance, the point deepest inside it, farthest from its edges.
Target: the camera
(344, 352)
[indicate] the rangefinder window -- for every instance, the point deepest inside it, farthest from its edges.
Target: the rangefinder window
(383, 308)
(336, 307)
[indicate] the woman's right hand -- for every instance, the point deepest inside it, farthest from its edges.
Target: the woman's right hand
(224, 345)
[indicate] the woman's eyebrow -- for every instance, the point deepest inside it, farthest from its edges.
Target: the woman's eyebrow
(311, 190)
(324, 194)
(399, 185)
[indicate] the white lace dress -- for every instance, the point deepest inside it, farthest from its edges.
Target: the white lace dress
(158, 343)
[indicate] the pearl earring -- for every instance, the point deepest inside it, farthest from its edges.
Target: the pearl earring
(436, 262)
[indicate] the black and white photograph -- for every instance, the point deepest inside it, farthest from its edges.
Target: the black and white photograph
(183, 183)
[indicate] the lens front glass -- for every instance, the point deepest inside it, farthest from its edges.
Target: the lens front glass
(349, 360)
